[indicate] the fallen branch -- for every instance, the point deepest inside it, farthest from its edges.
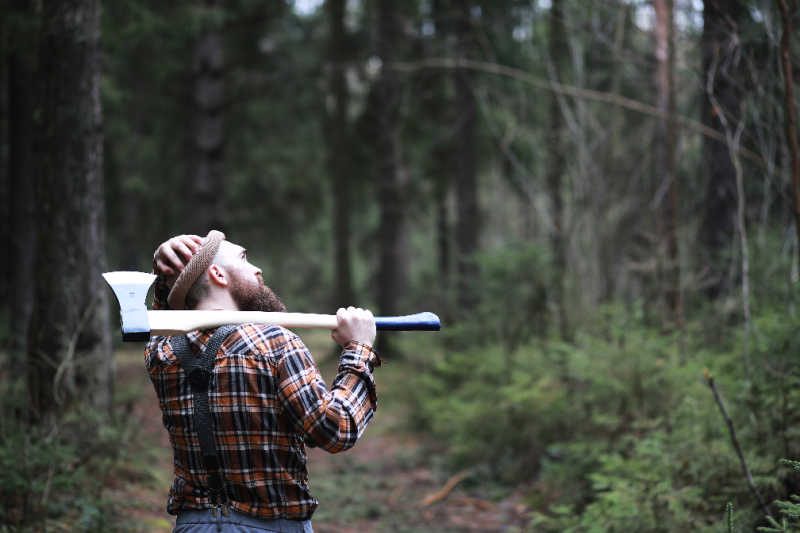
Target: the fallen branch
(442, 493)
(481, 505)
(735, 442)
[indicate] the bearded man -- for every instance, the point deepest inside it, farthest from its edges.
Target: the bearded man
(266, 398)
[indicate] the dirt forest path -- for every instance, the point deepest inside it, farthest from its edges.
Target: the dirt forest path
(381, 485)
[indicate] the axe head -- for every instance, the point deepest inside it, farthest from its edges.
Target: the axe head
(131, 288)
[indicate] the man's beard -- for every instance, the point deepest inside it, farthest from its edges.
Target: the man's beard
(254, 296)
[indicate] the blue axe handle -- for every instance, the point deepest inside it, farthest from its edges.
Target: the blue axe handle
(417, 322)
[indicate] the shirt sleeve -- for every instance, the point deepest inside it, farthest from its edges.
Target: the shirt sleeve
(331, 419)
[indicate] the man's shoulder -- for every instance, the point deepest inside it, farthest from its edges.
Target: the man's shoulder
(266, 340)
(260, 339)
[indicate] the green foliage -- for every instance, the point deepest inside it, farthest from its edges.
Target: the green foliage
(481, 392)
(789, 511)
(511, 288)
(513, 293)
(54, 474)
(618, 431)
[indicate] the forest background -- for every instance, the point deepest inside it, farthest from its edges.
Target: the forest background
(597, 197)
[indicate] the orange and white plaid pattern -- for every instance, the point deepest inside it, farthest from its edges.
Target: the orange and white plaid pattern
(268, 401)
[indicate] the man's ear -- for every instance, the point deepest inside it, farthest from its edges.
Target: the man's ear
(218, 276)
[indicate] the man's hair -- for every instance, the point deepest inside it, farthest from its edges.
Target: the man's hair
(198, 292)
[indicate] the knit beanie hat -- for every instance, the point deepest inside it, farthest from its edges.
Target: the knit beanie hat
(198, 264)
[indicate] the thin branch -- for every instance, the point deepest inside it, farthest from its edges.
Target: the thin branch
(504, 144)
(733, 142)
(69, 359)
(575, 92)
(732, 431)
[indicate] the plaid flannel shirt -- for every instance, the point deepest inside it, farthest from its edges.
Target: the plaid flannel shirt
(267, 401)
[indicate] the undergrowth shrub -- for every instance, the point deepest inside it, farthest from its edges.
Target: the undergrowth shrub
(788, 510)
(618, 431)
(54, 473)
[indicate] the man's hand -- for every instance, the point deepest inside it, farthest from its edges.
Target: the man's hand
(354, 324)
(172, 255)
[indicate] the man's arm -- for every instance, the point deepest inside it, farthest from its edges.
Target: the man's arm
(169, 260)
(333, 419)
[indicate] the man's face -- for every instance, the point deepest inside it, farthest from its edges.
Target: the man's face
(246, 284)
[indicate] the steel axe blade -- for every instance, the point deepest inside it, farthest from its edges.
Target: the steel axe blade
(131, 288)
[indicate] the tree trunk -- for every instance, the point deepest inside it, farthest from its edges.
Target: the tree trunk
(5, 180)
(439, 109)
(719, 42)
(205, 191)
(69, 343)
(21, 199)
(790, 111)
(465, 175)
(392, 276)
(557, 167)
(441, 190)
(664, 160)
(609, 251)
(338, 136)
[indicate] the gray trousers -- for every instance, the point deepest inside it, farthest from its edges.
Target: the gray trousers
(204, 522)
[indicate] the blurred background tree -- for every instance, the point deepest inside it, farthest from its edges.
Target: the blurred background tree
(596, 196)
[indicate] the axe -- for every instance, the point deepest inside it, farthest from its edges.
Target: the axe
(138, 323)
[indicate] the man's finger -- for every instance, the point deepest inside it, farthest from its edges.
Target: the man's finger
(193, 241)
(164, 269)
(171, 258)
(196, 238)
(183, 249)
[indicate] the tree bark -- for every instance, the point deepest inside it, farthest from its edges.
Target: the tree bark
(439, 108)
(465, 170)
(5, 179)
(609, 250)
(718, 45)
(338, 136)
(441, 191)
(392, 275)
(206, 156)
(557, 167)
(664, 160)
(791, 110)
(69, 343)
(21, 200)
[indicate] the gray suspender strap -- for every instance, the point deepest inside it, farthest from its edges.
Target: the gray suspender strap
(198, 369)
